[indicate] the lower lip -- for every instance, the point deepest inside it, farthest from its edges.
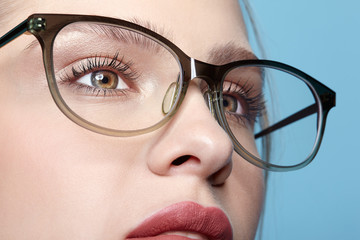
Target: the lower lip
(163, 237)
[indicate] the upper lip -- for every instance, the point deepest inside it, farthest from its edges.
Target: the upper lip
(187, 217)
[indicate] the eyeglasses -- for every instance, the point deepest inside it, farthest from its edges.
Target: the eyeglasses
(118, 78)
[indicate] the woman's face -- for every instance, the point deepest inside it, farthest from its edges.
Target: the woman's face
(60, 181)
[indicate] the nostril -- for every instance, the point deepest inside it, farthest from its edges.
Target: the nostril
(180, 160)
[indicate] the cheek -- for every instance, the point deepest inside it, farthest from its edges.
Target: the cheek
(56, 178)
(51, 168)
(243, 195)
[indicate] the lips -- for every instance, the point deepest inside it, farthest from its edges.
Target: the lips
(184, 220)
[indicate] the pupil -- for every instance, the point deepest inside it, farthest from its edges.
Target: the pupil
(225, 103)
(105, 80)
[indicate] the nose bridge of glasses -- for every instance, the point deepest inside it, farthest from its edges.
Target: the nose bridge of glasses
(206, 78)
(205, 71)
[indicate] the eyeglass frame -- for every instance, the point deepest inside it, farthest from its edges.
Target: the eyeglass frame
(46, 26)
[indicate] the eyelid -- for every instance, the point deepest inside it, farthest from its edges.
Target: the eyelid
(84, 66)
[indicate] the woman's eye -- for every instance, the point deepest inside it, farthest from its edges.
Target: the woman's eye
(103, 79)
(233, 105)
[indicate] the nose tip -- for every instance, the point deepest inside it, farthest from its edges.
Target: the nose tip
(193, 143)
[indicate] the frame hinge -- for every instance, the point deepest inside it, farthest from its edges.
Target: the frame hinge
(37, 24)
(328, 100)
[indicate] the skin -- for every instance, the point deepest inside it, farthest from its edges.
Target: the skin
(60, 181)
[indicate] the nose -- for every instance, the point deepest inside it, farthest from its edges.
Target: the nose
(192, 143)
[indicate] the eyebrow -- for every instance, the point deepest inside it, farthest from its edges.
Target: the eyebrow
(7, 8)
(166, 33)
(229, 52)
(123, 34)
(218, 55)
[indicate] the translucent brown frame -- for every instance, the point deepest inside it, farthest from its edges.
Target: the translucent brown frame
(46, 26)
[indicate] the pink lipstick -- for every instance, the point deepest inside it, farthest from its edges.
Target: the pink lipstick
(183, 221)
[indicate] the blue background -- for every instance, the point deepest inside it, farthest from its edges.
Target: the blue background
(322, 38)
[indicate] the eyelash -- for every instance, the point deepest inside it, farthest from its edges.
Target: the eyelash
(255, 103)
(115, 64)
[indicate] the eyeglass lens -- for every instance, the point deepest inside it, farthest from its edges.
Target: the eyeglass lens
(280, 96)
(113, 77)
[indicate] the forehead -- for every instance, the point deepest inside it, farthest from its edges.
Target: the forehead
(194, 26)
